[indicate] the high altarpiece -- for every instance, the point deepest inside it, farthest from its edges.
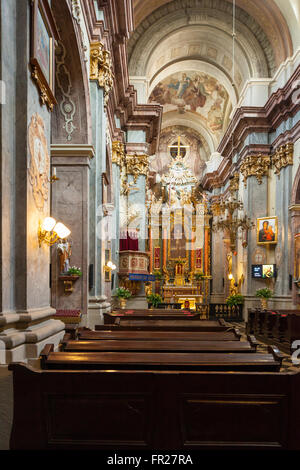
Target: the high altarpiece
(180, 234)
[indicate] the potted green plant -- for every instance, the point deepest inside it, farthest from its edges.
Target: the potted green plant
(123, 294)
(235, 299)
(198, 278)
(153, 300)
(74, 271)
(158, 278)
(264, 294)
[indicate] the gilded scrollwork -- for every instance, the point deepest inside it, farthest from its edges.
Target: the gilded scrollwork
(39, 166)
(101, 68)
(255, 165)
(137, 165)
(283, 157)
(118, 153)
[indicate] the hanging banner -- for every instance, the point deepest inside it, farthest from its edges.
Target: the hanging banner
(157, 257)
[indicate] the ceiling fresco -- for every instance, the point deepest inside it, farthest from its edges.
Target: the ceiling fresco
(196, 92)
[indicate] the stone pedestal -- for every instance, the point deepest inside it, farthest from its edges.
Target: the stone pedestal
(97, 306)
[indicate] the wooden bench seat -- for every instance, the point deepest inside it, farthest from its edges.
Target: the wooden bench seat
(84, 334)
(165, 325)
(183, 411)
(161, 346)
(110, 318)
(160, 361)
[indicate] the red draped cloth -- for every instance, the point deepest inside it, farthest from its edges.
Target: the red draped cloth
(129, 241)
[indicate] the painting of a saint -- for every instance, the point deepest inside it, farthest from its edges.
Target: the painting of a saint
(177, 243)
(267, 230)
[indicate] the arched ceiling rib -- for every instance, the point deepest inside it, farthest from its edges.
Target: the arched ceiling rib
(265, 12)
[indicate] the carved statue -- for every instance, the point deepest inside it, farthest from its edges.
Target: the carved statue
(64, 250)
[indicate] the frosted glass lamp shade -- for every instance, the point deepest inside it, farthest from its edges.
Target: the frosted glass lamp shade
(48, 224)
(61, 230)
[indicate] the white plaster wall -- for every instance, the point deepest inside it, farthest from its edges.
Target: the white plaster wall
(291, 11)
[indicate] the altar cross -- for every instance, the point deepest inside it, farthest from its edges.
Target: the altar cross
(179, 146)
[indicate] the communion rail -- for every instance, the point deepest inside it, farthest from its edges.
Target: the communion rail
(228, 312)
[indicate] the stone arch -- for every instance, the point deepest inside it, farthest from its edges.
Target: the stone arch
(270, 15)
(71, 117)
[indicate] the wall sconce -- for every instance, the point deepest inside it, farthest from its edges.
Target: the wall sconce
(50, 231)
(108, 268)
(53, 177)
(111, 265)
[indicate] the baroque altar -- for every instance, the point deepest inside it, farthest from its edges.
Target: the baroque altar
(180, 234)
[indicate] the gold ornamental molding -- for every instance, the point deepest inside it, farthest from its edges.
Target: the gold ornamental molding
(137, 165)
(46, 94)
(234, 182)
(255, 165)
(283, 157)
(101, 68)
(118, 153)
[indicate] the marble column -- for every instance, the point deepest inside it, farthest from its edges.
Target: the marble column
(97, 302)
(25, 322)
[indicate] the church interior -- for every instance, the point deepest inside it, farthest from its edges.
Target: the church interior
(150, 224)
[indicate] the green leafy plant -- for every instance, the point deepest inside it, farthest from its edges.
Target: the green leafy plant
(235, 299)
(154, 299)
(158, 275)
(123, 293)
(264, 293)
(74, 271)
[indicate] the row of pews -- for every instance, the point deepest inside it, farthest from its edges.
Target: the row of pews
(280, 327)
(143, 381)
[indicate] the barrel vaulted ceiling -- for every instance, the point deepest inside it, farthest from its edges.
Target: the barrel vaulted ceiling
(182, 49)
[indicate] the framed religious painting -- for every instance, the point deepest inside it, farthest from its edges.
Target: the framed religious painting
(267, 230)
(42, 60)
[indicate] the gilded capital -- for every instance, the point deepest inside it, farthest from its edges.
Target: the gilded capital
(118, 153)
(101, 67)
(255, 165)
(137, 165)
(283, 157)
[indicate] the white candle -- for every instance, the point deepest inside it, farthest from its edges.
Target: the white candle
(54, 172)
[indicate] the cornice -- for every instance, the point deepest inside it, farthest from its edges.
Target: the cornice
(250, 119)
(122, 100)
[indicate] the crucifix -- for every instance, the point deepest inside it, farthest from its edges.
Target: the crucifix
(179, 146)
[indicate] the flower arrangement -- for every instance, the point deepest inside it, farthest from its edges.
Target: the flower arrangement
(235, 299)
(158, 275)
(264, 293)
(74, 271)
(154, 299)
(123, 293)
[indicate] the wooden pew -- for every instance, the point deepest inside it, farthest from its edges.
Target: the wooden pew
(165, 325)
(110, 318)
(279, 327)
(183, 411)
(160, 361)
(85, 334)
(162, 346)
